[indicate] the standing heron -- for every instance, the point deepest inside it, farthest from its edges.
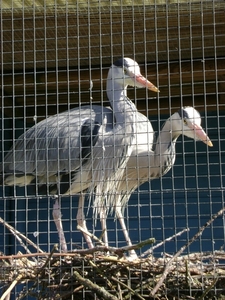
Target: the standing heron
(150, 160)
(81, 148)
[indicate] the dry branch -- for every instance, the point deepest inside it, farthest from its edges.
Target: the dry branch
(97, 289)
(18, 234)
(169, 264)
(92, 236)
(92, 272)
(150, 251)
(12, 285)
(54, 275)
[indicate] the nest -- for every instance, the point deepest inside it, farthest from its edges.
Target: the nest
(105, 273)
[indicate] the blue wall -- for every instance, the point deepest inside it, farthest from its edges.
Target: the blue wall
(185, 197)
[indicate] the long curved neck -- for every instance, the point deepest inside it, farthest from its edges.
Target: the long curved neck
(121, 105)
(165, 152)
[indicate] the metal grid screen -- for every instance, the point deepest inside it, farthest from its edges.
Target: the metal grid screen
(55, 57)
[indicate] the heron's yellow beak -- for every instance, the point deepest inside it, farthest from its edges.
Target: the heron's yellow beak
(200, 134)
(141, 81)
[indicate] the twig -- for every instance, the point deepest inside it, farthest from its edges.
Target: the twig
(139, 245)
(55, 247)
(84, 251)
(27, 255)
(168, 266)
(12, 285)
(120, 295)
(205, 255)
(19, 234)
(78, 288)
(114, 249)
(70, 293)
(97, 289)
(149, 251)
(91, 235)
(101, 273)
(208, 289)
(101, 236)
(13, 231)
(40, 271)
(127, 287)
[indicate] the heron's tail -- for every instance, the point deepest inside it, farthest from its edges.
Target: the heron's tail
(16, 179)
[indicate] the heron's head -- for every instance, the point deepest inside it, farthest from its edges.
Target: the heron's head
(187, 121)
(126, 71)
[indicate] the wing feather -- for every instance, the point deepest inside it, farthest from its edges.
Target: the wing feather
(54, 145)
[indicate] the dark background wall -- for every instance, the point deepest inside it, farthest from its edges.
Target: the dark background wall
(186, 197)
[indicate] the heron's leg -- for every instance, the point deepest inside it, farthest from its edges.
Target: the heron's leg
(102, 215)
(58, 222)
(81, 220)
(120, 217)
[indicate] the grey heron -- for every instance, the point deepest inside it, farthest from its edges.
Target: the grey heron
(150, 160)
(81, 148)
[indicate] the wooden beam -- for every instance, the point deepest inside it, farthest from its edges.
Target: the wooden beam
(21, 92)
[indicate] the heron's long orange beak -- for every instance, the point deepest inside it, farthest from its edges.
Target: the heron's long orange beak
(200, 133)
(138, 78)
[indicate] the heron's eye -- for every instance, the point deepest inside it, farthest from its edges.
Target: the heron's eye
(125, 71)
(185, 122)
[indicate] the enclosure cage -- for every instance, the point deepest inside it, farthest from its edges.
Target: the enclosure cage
(55, 56)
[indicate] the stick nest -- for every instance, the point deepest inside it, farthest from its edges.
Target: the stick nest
(57, 276)
(105, 273)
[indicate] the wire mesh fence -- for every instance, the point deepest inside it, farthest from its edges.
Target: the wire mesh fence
(155, 173)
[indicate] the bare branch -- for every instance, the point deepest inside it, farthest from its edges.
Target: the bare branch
(168, 266)
(18, 234)
(97, 289)
(163, 242)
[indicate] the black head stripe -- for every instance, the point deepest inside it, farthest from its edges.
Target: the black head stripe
(183, 113)
(122, 63)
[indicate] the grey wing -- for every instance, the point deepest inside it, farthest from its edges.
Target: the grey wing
(58, 144)
(145, 135)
